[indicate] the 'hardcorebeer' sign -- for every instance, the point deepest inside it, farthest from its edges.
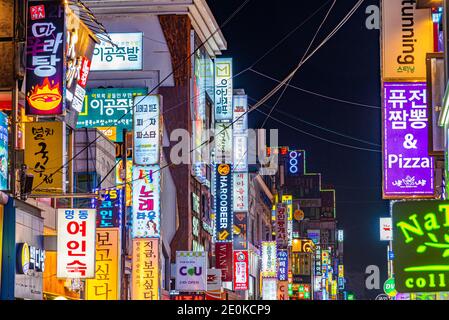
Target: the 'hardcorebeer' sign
(421, 246)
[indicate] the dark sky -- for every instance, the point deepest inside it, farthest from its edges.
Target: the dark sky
(347, 67)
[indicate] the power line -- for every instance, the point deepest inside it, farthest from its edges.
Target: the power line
(289, 115)
(155, 87)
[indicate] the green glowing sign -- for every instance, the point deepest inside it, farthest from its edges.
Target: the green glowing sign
(389, 287)
(421, 244)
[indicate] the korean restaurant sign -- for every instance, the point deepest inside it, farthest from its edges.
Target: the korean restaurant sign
(240, 199)
(241, 276)
(408, 170)
(109, 208)
(4, 155)
(240, 151)
(282, 265)
(269, 267)
(45, 78)
(147, 136)
(105, 286)
(76, 243)
(146, 202)
(240, 231)
(223, 203)
(223, 89)
(109, 110)
(281, 226)
(191, 271)
(240, 114)
(145, 271)
(125, 56)
(421, 245)
(223, 260)
(407, 36)
(44, 155)
(223, 141)
(386, 229)
(287, 200)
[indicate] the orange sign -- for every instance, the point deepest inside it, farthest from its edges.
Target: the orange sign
(145, 274)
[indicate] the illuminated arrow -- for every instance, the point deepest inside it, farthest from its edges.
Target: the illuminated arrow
(223, 235)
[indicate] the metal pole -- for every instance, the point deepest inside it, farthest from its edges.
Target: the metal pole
(124, 280)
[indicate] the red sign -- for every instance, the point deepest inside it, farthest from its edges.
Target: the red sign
(281, 227)
(241, 270)
(84, 72)
(188, 297)
(223, 260)
(37, 12)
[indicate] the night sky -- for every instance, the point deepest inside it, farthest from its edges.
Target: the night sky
(347, 68)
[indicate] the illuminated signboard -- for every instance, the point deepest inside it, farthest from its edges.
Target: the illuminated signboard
(421, 246)
(240, 199)
(147, 137)
(295, 163)
(386, 229)
(105, 286)
(191, 271)
(282, 265)
(29, 259)
(223, 260)
(241, 270)
(240, 230)
(146, 202)
(408, 170)
(145, 271)
(240, 114)
(45, 78)
(109, 110)
(223, 143)
(109, 208)
(407, 36)
(223, 203)
(223, 89)
(3, 152)
(281, 226)
(288, 201)
(76, 243)
(44, 155)
(303, 246)
(125, 56)
(269, 289)
(269, 267)
(120, 181)
(240, 153)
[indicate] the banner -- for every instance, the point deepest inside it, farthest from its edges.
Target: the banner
(44, 155)
(191, 271)
(145, 271)
(45, 74)
(146, 202)
(109, 110)
(223, 89)
(147, 131)
(241, 270)
(408, 170)
(223, 203)
(223, 260)
(106, 284)
(76, 243)
(407, 36)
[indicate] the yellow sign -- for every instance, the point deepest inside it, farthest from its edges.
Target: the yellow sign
(407, 36)
(129, 178)
(145, 274)
(298, 215)
(110, 132)
(44, 156)
(105, 286)
(303, 246)
(341, 271)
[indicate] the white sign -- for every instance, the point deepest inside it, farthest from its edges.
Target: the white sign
(213, 279)
(269, 268)
(125, 56)
(76, 243)
(240, 153)
(147, 138)
(269, 289)
(191, 271)
(223, 89)
(240, 114)
(240, 192)
(223, 142)
(146, 202)
(386, 229)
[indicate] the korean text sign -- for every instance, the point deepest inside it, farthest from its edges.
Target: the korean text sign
(281, 226)
(109, 208)
(223, 89)
(45, 70)
(223, 260)
(241, 192)
(241, 270)
(145, 273)
(105, 286)
(126, 56)
(146, 202)
(147, 135)
(76, 243)
(421, 245)
(110, 109)
(191, 271)
(282, 265)
(240, 230)
(3, 151)
(223, 203)
(44, 155)
(408, 170)
(269, 259)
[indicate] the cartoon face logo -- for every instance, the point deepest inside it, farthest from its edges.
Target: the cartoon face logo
(224, 169)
